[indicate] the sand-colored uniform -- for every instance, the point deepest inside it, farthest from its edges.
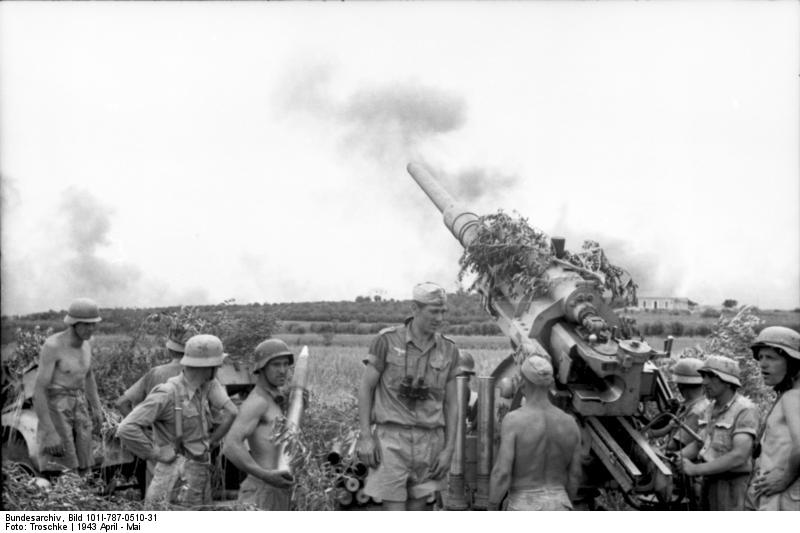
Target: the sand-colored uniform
(187, 480)
(540, 499)
(726, 491)
(69, 412)
(410, 433)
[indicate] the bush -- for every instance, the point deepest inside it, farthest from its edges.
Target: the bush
(676, 328)
(656, 328)
(702, 330)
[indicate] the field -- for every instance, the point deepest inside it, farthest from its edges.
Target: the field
(335, 370)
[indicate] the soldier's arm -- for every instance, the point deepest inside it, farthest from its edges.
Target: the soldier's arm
(134, 395)
(92, 395)
(367, 450)
(48, 358)
(243, 427)
(745, 428)
(500, 480)
(133, 432)
(742, 448)
(575, 468)
(442, 462)
(218, 397)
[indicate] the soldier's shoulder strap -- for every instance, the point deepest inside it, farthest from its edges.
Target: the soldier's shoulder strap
(390, 329)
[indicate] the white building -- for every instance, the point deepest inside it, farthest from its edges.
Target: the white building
(666, 303)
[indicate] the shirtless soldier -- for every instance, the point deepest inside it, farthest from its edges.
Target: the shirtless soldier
(63, 385)
(540, 455)
(265, 487)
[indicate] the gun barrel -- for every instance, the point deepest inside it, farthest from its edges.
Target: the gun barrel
(457, 218)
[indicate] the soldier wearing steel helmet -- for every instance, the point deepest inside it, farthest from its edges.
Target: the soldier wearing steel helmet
(408, 391)
(775, 485)
(728, 428)
(179, 412)
(686, 375)
(64, 383)
(265, 487)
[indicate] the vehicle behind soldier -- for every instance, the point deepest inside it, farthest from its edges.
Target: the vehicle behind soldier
(539, 461)
(64, 383)
(179, 412)
(728, 428)
(775, 485)
(265, 487)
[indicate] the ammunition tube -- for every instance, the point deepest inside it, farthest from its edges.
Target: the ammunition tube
(485, 440)
(334, 456)
(361, 498)
(456, 496)
(351, 484)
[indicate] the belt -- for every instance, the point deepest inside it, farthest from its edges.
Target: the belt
(397, 425)
(65, 392)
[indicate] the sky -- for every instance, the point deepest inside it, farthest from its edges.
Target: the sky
(187, 153)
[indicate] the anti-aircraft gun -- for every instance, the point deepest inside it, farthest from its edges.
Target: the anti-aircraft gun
(602, 376)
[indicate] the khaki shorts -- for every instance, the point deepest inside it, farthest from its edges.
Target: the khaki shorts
(184, 481)
(788, 500)
(725, 492)
(70, 415)
(264, 496)
(407, 454)
(550, 499)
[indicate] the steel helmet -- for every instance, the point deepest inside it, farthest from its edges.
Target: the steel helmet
(203, 351)
(177, 336)
(465, 363)
(82, 310)
(686, 372)
(724, 368)
(268, 350)
(784, 339)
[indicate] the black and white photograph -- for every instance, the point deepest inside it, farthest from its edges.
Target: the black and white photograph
(399, 256)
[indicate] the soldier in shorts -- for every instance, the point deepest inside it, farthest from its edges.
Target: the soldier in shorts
(64, 383)
(539, 462)
(408, 393)
(775, 485)
(265, 487)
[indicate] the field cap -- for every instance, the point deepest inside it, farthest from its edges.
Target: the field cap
(82, 310)
(429, 294)
(724, 368)
(537, 370)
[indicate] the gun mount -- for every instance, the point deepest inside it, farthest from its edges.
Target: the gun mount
(602, 377)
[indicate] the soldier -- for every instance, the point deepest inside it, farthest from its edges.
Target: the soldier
(539, 462)
(180, 413)
(686, 375)
(775, 485)
(265, 487)
(728, 427)
(63, 384)
(408, 392)
(137, 392)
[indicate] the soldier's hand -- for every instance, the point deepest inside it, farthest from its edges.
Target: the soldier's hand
(98, 419)
(166, 455)
(772, 481)
(441, 464)
(687, 467)
(281, 479)
(53, 445)
(368, 450)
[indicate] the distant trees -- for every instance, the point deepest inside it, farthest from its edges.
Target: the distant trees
(730, 304)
